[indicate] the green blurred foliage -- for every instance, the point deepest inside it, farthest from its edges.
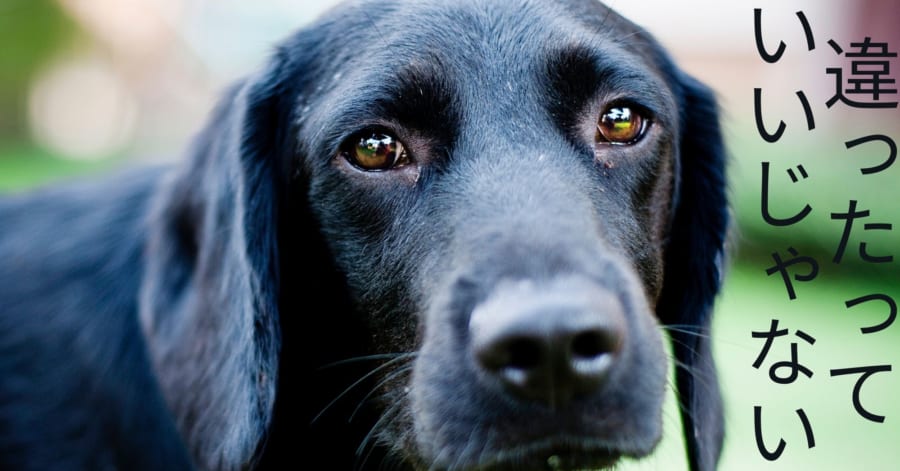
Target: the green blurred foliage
(834, 180)
(23, 166)
(844, 439)
(31, 31)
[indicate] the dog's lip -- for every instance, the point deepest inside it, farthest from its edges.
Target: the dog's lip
(553, 455)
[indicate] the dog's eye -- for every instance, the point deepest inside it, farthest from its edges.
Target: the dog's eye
(375, 151)
(620, 125)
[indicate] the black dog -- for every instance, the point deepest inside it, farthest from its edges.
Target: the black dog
(429, 235)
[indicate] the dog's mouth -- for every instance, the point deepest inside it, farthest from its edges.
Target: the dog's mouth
(553, 456)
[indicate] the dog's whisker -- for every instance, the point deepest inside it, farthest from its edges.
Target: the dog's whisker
(464, 454)
(673, 416)
(606, 17)
(701, 333)
(387, 379)
(356, 383)
(685, 366)
(488, 442)
(681, 407)
(367, 442)
(704, 379)
(623, 39)
(684, 344)
(695, 332)
(374, 357)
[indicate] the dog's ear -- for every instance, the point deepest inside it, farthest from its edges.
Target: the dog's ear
(209, 298)
(693, 269)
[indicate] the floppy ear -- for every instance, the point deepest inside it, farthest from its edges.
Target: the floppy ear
(209, 298)
(693, 270)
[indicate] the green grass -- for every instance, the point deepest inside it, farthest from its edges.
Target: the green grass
(23, 166)
(844, 440)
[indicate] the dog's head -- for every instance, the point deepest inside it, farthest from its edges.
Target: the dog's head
(516, 194)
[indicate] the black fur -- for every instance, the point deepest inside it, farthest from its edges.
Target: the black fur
(267, 302)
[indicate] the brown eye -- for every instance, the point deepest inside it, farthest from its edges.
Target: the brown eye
(376, 151)
(620, 125)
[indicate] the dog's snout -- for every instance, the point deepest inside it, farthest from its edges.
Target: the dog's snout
(548, 345)
(569, 359)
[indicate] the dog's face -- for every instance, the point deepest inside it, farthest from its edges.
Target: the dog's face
(515, 196)
(505, 202)
(496, 181)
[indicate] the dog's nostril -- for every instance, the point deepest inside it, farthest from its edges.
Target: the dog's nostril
(548, 349)
(523, 354)
(594, 343)
(587, 345)
(558, 357)
(592, 353)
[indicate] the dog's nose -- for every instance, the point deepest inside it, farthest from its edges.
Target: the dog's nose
(548, 345)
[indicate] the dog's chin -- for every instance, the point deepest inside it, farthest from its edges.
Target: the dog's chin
(556, 454)
(552, 456)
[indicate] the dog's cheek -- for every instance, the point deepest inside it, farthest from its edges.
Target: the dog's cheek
(647, 183)
(440, 367)
(369, 243)
(378, 246)
(651, 364)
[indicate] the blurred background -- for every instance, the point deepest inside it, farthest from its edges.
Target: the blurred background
(86, 85)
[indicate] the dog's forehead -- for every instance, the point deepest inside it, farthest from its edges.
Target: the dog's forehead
(465, 50)
(479, 29)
